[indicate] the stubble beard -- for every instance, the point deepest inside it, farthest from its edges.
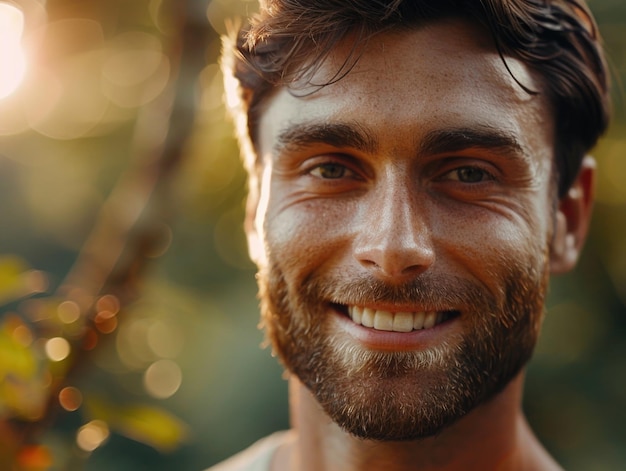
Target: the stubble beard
(398, 396)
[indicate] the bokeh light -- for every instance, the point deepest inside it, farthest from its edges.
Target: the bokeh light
(70, 398)
(36, 281)
(165, 339)
(162, 379)
(57, 349)
(35, 458)
(68, 312)
(109, 303)
(12, 57)
(106, 322)
(22, 335)
(132, 344)
(91, 435)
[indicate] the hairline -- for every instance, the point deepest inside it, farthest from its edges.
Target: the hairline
(306, 65)
(573, 77)
(260, 106)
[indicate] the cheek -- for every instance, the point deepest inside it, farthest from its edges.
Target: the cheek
(492, 252)
(301, 237)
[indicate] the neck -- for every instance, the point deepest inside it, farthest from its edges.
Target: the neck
(494, 436)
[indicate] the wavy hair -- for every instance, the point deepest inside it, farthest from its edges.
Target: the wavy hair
(558, 39)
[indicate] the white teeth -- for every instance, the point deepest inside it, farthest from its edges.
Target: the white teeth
(383, 320)
(430, 320)
(418, 320)
(403, 322)
(395, 322)
(368, 317)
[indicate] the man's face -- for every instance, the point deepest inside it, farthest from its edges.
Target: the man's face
(405, 218)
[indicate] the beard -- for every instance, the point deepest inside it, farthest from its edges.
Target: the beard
(404, 395)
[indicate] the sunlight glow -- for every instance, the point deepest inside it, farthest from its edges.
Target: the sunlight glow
(162, 379)
(70, 398)
(57, 349)
(68, 312)
(90, 436)
(12, 57)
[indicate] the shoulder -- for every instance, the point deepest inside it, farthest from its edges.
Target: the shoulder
(255, 458)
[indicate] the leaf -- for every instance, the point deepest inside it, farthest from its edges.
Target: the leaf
(23, 389)
(24, 399)
(12, 269)
(15, 358)
(18, 280)
(147, 424)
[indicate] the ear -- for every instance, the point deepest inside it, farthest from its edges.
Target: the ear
(572, 219)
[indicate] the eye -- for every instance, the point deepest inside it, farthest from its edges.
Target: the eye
(468, 175)
(331, 171)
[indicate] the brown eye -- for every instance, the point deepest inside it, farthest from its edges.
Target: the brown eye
(329, 171)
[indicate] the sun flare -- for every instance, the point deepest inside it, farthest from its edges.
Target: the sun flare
(12, 57)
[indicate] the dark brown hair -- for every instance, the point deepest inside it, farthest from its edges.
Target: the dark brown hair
(558, 39)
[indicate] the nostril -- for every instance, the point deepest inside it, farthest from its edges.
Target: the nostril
(413, 270)
(395, 264)
(368, 263)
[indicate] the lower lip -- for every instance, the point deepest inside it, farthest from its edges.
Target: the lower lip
(397, 341)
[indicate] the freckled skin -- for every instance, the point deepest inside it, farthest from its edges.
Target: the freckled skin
(399, 206)
(397, 211)
(463, 93)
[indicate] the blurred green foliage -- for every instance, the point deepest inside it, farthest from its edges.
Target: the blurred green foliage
(178, 379)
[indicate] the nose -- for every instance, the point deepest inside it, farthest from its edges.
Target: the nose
(395, 241)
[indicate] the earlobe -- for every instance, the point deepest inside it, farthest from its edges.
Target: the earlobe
(572, 219)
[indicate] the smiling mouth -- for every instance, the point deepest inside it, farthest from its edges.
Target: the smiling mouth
(397, 321)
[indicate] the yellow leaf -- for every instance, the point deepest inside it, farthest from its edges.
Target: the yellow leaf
(11, 267)
(24, 399)
(16, 359)
(18, 280)
(23, 390)
(150, 425)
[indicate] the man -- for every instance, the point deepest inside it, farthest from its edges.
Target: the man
(417, 170)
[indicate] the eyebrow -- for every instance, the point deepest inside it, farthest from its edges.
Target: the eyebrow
(302, 135)
(442, 141)
(439, 141)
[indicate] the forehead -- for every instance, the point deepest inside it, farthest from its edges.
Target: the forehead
(407, 83)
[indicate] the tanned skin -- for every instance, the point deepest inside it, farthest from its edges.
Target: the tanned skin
(391, 209)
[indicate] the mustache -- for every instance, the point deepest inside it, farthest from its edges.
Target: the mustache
(437, 292)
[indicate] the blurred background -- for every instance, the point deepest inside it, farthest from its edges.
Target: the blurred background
(128, 328)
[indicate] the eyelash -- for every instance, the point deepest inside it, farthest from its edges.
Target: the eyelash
(319, 169)
(452, 174)
(485, 174)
